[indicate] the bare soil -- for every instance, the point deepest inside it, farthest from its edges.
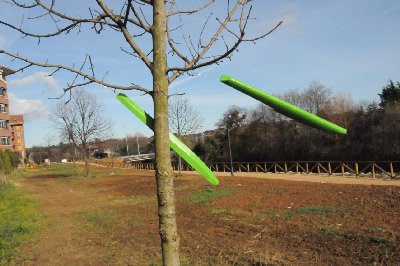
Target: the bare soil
(112, 220)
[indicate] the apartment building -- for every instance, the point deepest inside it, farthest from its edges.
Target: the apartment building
(11, 126)
(17, 135)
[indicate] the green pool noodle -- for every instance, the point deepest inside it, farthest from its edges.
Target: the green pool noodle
(178, 146)
(283, 107)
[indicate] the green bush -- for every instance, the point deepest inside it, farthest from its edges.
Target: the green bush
(13, 158)
(8, 162)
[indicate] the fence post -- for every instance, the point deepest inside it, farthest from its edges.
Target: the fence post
(391, 170)
(285, 168)
(342, 168)
(329, 168)
(248, 167)
(373, 170)
(297, 167)
(307, 168)
(275, 167)
(318, 169)
(357, 169)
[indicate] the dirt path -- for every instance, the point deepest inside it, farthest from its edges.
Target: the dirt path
(61, 241)
(350, 180)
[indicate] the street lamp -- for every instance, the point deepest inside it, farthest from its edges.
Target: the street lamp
(229, 145)
(126, 141)
(138, 147)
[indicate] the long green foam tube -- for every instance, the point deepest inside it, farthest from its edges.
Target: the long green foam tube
(283, 107)
(178, 146)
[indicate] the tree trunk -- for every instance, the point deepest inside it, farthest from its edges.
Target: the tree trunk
(164, 174)
(180, 164)
(86, 158)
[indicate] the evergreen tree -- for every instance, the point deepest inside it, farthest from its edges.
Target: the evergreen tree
(390, 94)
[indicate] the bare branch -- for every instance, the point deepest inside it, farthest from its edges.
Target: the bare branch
(176, 94)
(126, 33)
(72, 21)
(199, 62)
(140, 21)
(171, 43)
(26, 33)
(73, 70)
(192, 65)
(23, 5)
(255, 38)
(184, 39)
(127, 12)
(149, 2)
(200, 45)
(189, 11)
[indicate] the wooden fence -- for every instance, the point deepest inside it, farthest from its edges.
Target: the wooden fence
(119, 164)
(381, 169)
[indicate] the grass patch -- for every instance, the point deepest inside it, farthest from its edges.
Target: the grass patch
(65, 169)
(210, 194)
(110, 220)
(101, 218)
(225, 213)
(276, 191)
(311, 210)
(142, 200)
(376, 229)
(68, 171)
(5, 185)
(18, 217)
(306, 210)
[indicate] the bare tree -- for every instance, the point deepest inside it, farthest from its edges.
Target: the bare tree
(183, 119)
(81, 122)
(340, 109)
(162, 22)
(315, 96)
(138, 143)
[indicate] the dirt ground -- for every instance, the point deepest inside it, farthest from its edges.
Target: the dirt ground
(112, 220)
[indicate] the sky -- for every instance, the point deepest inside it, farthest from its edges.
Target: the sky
(350, 46)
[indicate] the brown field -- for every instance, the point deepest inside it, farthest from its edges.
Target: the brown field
(111, 219)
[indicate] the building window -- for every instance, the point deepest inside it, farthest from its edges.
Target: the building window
(2, 90)
(3, 108)
(5, 141)
(3, 124)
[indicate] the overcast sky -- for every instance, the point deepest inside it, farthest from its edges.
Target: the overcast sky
(349, 46)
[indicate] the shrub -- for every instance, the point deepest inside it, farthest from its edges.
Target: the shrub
(8, 162)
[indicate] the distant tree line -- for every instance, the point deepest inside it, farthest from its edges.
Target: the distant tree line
(262, 134)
